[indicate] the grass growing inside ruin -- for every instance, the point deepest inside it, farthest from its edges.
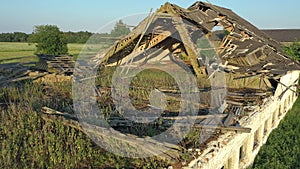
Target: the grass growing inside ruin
(27, 141)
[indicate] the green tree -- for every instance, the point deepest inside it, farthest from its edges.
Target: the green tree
(120, 29)
(13, 37)
(19, 37)
(293, 50)
(78, 37)
(49, 40)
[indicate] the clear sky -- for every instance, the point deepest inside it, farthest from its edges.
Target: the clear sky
(90, 15)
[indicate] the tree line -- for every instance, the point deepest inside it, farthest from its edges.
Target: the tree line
(71, 37)
(120, 29)
(49, 40)
(14, 37)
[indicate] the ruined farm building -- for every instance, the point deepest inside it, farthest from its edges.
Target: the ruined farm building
(261, 81)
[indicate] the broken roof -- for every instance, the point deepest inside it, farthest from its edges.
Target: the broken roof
(244, 48)
(245, 53)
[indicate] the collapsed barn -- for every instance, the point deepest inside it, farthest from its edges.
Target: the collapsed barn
(250, 59)
(260, 80)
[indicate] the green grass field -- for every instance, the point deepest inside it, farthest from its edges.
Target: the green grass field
(15, 52)
(23, 52)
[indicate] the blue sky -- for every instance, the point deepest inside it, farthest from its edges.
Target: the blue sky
(90, 15)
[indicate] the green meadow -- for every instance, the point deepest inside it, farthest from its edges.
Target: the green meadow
(11, 52)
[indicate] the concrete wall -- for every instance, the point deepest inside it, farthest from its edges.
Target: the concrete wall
(238, 150)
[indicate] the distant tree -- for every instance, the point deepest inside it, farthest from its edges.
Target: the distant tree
(293, 50)
(20, 37)
(78, 37)
(6, 37)
(101, 38)
(49, 40)
(120, 29)
(13, 37)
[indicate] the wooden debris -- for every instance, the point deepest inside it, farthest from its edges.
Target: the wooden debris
(227, 128)
(229, 119)
(165, 151)
(56, 64)
(14, 72)
(195, 117)
(49, 111)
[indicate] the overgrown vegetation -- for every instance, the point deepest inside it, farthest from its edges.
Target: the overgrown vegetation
(30, 142)
(27, 141)
(283, 145)
(293, 50)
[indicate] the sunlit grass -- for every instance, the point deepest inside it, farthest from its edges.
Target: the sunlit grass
(11, 52)
(28, 141)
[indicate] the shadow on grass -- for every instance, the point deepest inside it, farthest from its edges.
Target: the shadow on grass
(20, 60)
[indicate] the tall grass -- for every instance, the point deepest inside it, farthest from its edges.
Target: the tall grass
(27, 141)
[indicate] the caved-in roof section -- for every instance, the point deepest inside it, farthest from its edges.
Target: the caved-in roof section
(244, 47)
(239, 23)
